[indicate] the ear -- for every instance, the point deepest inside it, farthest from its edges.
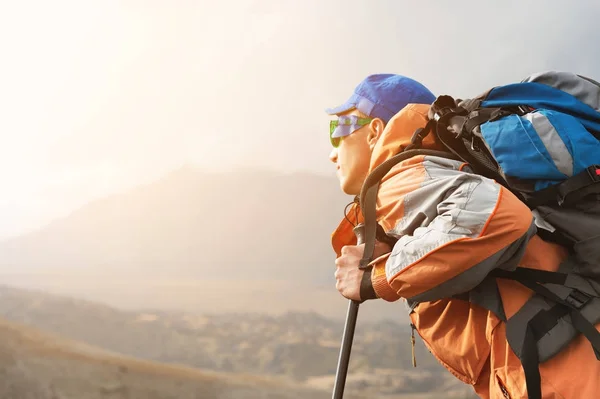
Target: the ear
(376, 129)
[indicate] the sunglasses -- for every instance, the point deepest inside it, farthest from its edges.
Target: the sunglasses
(344, 126)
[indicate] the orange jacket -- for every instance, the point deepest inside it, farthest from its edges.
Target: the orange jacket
(453, 227)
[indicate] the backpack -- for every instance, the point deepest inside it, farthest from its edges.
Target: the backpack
(540, 138)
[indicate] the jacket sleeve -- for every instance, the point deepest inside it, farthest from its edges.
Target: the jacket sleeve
(380, 283)
(467, 226)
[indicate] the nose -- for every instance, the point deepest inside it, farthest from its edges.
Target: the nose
(333, 155)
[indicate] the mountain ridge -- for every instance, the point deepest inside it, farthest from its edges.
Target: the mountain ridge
(250, 241)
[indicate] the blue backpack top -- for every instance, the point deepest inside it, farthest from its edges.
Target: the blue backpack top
(558, 136)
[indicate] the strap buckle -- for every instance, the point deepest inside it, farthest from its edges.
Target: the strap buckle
(594, 172)
(418, 136)
(577, 299)
(585, 178)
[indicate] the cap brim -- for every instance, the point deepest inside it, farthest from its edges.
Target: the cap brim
(347, 106)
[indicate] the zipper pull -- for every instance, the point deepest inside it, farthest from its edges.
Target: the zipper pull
(412, 343)
(504, 392)
(503, 388)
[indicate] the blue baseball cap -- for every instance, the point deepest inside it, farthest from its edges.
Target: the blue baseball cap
(384, 95)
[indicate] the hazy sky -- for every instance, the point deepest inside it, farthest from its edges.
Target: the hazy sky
(97, 96)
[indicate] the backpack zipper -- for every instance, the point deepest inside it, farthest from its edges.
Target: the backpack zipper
(503, 388)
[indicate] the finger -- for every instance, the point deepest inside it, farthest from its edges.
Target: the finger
(353, 250)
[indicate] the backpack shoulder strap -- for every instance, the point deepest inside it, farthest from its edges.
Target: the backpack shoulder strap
(368, 196)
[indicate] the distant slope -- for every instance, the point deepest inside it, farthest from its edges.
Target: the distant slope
(245, 225)
(34, 365)
(244, 241)
(300, 346)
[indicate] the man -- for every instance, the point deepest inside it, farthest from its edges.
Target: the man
(453, 227)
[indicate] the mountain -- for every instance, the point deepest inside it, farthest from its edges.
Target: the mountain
(245, 240)
(298, 347)
(37, 365)
(193, 224)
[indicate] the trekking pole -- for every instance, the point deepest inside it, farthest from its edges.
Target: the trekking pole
(346, 348)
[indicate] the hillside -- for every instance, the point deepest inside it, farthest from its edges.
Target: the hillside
(35, 365)
(251, 240)
(301, 347)
(196, 225)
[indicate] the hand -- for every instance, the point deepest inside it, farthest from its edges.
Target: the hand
(347, 274)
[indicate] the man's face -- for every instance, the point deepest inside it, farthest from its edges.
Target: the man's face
(352, 158)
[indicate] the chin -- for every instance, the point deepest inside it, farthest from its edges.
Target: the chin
(349, 189)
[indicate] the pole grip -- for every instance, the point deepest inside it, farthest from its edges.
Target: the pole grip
(359, 232)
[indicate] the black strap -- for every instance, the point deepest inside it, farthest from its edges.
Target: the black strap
(584, 326)
(545, 320)
(445, 105)
(420, 134)
(531, 275)
(537, 327)
(530, 362)
(576, 299)
(477, 118)
(589, 176)
(559, 193)
(483, 115)
(370, 213)
(470, 104)
(556, 237)
(367, 291)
